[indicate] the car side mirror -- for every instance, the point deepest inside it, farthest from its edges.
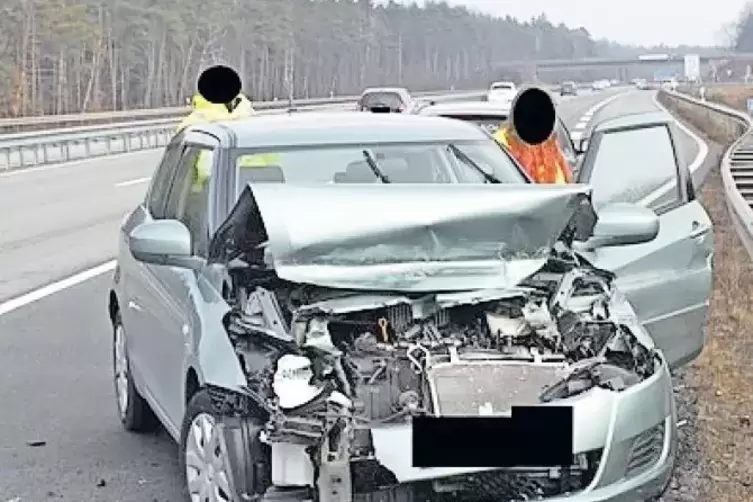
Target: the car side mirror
(623, 224)
(163, 242)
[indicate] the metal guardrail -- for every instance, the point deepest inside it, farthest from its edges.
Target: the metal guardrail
(57, 121)
(63, 145)
(736, 169)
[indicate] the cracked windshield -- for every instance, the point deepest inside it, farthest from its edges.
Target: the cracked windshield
(235, 265)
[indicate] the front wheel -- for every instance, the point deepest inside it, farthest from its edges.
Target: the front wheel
(133, 410)
(201, 457)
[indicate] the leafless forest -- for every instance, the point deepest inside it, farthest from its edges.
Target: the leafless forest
(67, 56)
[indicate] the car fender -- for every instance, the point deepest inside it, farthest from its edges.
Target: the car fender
(212, 355)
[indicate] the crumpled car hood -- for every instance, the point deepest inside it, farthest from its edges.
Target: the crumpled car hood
(401, 237)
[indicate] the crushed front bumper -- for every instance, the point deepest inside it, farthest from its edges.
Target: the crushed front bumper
(630, 438)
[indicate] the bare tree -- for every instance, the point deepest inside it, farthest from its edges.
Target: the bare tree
(64, 56)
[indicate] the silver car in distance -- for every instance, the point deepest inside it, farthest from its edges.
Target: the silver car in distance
(338, 274)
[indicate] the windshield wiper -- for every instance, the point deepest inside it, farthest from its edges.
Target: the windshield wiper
(463, 157)
(375, 167)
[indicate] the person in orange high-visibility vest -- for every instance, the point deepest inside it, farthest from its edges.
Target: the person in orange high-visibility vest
(529, 136)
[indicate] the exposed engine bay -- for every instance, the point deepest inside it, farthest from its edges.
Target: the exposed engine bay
(326, 366)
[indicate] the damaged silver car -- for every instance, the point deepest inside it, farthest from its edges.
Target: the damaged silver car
(290, 339)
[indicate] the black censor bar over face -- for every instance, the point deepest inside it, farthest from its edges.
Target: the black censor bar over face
(534, 436)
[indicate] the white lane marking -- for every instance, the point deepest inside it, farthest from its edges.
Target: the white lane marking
(703, 148)
(135, 181)
(601, 104)
(50, 289)
(703, 151)
(580, 128)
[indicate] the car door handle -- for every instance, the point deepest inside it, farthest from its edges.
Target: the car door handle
(134, 306)
(697, 230)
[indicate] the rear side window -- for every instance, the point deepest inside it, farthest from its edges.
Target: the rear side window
(503, 87)
(391, 100)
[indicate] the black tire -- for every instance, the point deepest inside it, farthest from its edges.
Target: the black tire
(255, 480)
(138, 415)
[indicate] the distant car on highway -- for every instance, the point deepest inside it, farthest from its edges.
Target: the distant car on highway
(599, 85)
(568, 88)
(489, 116)
(641, 84)
(386, 99)
(502, 93)
(669, 84)
(281, 306)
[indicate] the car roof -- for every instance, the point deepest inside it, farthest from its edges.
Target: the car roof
(634, 120)
(473, 108)
(483, 108)
(398, 90)
(337, 128)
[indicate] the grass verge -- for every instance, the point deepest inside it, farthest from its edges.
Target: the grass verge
(735, 97)
(722, 377)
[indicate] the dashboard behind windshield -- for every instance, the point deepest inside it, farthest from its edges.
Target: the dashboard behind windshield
(399, 163)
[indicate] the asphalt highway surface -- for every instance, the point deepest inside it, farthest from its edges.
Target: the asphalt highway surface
(61, 439)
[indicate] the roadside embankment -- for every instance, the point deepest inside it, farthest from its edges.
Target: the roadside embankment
(715, 126)
(715, 461)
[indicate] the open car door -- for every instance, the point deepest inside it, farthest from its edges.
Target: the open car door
(635, 159)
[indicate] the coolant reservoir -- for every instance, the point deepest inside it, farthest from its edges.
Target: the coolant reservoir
(292, 381)
(291, 465)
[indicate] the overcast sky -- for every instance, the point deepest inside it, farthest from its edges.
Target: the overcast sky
(641, 22)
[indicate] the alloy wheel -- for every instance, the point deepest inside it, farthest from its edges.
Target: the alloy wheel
(120, 370)
(206, 472)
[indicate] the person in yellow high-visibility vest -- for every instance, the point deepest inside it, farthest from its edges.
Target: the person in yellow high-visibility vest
(215, 102)
(258, 160)
(202, 170)
(241, 108)
(205, 111)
